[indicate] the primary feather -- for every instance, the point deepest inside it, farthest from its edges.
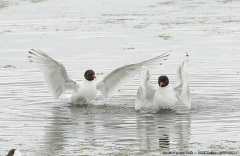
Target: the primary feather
(181, 88)
(145, 91)
(110, 84)
(55, 75)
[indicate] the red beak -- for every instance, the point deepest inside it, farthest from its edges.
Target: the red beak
(161, 84)
(94, 76)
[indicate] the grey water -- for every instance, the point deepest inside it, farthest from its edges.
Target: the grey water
(103, 35)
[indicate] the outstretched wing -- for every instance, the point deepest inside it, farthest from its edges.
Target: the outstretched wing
(145, 91)
(181, 88)
(55, 75)
(110, 84)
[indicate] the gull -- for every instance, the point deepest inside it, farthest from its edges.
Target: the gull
(57, 80)
(14, 152)
(164, 96)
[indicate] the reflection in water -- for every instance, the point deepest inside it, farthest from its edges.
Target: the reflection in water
(164, 142)
(69, 123)
(90, 127)
(162, 129)
(183, 126)
(55, 132)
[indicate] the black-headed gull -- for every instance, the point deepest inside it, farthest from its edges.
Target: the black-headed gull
(57, 80)
(164, 96)
(14, 152)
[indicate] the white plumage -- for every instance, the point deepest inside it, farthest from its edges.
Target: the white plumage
(14, 152)
(86, 92)
(57, 80)
(55, 75)
(181, 88)
(163, 97)
(17, 153)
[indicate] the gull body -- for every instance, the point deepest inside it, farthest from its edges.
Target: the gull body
(86, 93)
(164, 96)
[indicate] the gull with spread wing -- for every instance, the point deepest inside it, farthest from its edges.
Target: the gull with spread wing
(164, 96)
(57, 80)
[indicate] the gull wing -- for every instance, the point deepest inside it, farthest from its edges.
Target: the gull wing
(145, 91)
(110, 84)
(181, 88)
(55, 75)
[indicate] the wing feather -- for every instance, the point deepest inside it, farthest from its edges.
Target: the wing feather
(181, 88)
(145, 91)
(110, 84)
(55, 75)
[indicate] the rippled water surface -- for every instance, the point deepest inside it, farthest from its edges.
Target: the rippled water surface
(106, 34)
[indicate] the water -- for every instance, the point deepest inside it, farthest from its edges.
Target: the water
(103, 35)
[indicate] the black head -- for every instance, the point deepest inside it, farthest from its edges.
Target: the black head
(11, 152)
(163, 81)
(89, 75)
